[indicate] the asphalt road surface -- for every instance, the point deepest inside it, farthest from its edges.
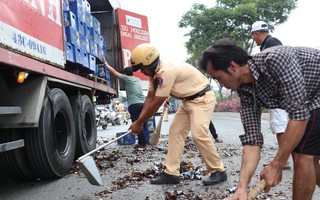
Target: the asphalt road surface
(116, 184)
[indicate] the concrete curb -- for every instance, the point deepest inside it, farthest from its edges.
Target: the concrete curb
(236, 115)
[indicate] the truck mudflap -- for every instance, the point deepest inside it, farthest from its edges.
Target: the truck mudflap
(28, 96)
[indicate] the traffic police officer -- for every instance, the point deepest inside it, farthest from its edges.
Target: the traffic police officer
(187, 83)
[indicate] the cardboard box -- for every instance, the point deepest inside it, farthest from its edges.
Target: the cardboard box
(81, 27)
(84, 43)
(78, 55)
(65, 5)
(76, 7)
(101, 71)
(85, 59)
(93, 48)
(86, 6)
(89, 19)
(87, 31)
(109, 83)
(92, 63)
(69, 52)
(72, 36)
(99, 57)
(96, 25)
(101, 41)
(126, 140)
(70, 19)
(94, 35)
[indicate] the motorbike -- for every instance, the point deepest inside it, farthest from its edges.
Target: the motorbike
(103, 116)
(128, 115)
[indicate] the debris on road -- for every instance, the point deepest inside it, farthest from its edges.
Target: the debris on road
(133, 167)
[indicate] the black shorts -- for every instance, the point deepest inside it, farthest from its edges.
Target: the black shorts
(310, 143)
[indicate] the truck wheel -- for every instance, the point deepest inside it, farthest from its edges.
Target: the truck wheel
(51, 146)
(86, 131)
(14, 163)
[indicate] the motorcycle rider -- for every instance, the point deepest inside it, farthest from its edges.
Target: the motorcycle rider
(120, 108)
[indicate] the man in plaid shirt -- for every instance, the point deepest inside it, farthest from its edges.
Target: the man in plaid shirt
(279, 77)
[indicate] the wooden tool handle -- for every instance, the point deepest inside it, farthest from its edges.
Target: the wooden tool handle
(257, 190)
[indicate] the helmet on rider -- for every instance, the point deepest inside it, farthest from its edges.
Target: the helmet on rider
(144, 55)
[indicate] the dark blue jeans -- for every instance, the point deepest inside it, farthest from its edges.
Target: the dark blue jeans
(135, 111)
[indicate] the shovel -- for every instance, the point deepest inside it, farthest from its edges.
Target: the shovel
(88, 166)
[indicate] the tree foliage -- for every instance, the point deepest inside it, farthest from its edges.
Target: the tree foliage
(230, 18)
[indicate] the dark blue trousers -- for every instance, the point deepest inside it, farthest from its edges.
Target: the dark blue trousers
(135, 111)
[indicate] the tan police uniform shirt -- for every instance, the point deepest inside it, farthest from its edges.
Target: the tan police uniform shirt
(178, 79)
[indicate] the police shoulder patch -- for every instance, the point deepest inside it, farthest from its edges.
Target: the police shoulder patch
(160, 81)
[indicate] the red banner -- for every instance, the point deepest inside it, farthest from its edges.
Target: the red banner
(134, 30)
(34, 27)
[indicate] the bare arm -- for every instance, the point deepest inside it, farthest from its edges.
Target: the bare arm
(151, 105)
(250, 161)
(294, 133)
(110, 69)
(150, 97)
(150, 109)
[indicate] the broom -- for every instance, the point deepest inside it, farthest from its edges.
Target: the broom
(154, 137)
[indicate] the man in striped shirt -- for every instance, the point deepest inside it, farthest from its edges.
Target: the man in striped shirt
(278, 77)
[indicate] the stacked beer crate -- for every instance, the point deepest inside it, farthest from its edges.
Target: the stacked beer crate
(83, 40)
(130, 139)
(102, 72)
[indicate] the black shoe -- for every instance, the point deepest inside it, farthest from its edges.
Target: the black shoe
(165, 178)
(215, 178)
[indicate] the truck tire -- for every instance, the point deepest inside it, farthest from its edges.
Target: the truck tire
(14, 163)
(86, 130)
(51, 146)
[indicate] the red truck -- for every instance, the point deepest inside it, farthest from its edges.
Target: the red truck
(47, 117)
